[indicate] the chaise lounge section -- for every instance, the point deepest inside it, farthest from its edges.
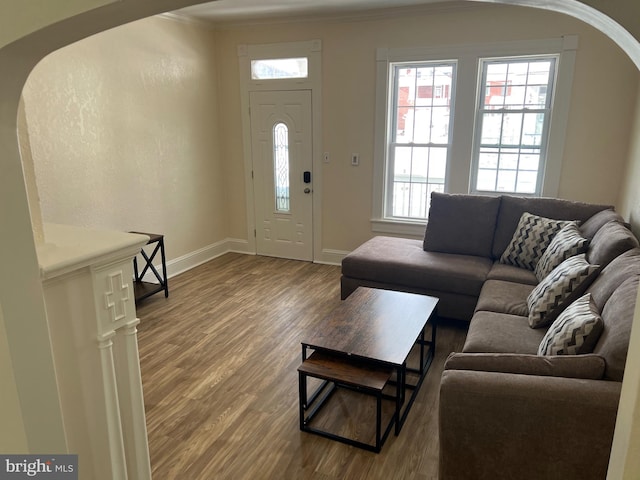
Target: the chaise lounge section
(465, 238)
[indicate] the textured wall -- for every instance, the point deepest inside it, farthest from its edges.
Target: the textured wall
(123, 133)
(630, 194)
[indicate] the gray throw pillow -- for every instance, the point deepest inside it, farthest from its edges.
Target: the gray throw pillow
(612, 240)
(591, 226)
(531, 238)
(461, 224)
(576, 331)
(559, 289)
(567, 243)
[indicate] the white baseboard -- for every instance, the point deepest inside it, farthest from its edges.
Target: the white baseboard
(228, 245)
(203, 255)
(198, 257)
(237, 245)
(332, 257)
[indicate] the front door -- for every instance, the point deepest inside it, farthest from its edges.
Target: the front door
(282, 173)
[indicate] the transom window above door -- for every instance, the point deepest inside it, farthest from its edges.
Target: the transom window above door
(279, 68)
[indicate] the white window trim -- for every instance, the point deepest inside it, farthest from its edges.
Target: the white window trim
(392, 105)
(459, 169)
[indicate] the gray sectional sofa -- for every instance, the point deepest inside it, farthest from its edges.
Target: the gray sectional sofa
(520, 402)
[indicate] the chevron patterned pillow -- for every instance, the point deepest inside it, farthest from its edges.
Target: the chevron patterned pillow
(559, 289)
(531, 238)
(567, 243)
(575, 331)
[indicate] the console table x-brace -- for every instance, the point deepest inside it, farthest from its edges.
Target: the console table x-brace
(145, 289)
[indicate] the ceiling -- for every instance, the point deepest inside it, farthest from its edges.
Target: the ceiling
(222, 11)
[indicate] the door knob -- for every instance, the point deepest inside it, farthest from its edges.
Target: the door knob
(307, 190)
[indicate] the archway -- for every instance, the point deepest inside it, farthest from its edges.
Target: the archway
(18, 291)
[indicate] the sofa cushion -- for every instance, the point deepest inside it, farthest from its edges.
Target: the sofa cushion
(559, 289)
(509, 273)
(612, 240)
(504, 297)
(491, 332)
(530, 239)
(569, 366)
(590, 226)
(575, 331)
(613, 275)
(512, 208)
(617, 316)
(461, 224)
(402, 261)
(567, 243)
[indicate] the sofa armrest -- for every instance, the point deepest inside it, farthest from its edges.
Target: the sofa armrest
(571, 366)
(500, 425)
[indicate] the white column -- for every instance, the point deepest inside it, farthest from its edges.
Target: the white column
(88, 286)
(132, 402)
(115, 438)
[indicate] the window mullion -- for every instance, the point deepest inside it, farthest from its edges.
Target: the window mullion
(500, 150)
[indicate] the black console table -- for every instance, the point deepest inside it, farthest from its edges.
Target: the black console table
(145, 289)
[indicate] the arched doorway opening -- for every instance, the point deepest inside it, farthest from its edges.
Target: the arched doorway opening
(22, 55)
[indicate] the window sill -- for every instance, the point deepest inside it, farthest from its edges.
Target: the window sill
(397, 227)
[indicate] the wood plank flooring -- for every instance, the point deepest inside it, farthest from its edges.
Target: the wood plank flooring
(219, 362)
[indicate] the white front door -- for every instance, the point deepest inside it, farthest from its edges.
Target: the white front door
(281, 145)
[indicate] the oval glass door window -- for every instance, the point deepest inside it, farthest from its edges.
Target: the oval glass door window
(281, 166)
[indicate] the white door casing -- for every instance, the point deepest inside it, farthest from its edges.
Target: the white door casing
(283, 229)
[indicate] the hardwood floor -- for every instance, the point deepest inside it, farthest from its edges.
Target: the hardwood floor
(219, 363)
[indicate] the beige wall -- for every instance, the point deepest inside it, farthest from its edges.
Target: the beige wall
(123, 133)
(599, 128)
(597, 140)
(630, 193)
(625, 462)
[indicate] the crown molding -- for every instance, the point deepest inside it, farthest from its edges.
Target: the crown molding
(187, 20)
(337, 17)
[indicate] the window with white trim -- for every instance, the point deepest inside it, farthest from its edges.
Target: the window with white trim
(468, 119)
(420, 138)
(512, 124)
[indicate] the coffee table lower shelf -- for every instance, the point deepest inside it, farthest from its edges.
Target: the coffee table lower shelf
(336, 372)
(366, 345)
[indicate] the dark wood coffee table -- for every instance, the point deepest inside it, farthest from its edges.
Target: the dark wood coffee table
(364, 345)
